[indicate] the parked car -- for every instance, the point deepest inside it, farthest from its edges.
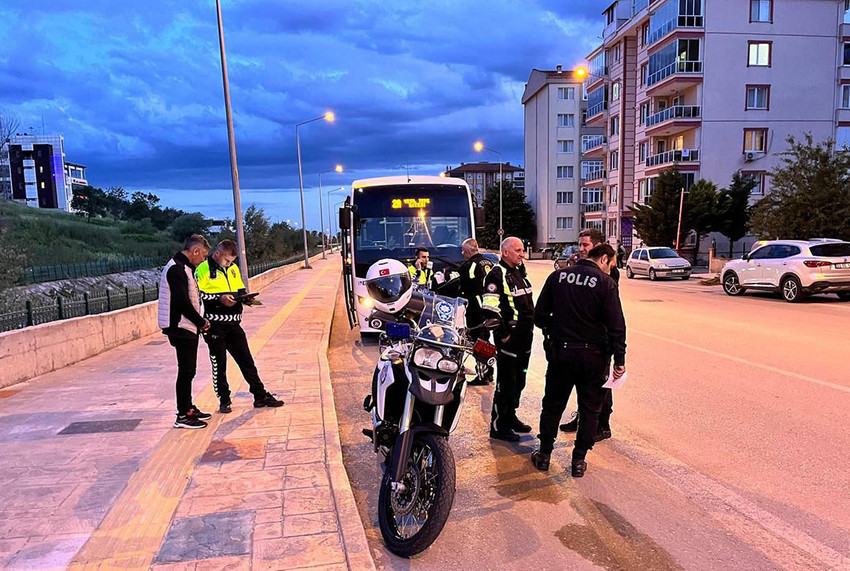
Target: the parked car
(657, 262)
(491, 256)
(568, 257)
(793, 268)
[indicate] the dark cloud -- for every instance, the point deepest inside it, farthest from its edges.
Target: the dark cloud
(136, 87)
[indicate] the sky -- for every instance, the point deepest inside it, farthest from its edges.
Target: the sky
(135, 87)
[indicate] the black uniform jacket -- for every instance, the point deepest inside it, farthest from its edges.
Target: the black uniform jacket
(581, 304)
(514, 304)
(472, 274)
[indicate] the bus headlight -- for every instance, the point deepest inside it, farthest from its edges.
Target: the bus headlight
(427, 358)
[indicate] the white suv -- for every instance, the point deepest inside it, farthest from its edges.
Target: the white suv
(793, 268)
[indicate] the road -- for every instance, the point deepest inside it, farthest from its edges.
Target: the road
(729, 449)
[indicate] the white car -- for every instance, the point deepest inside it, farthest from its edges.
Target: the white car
(657, 262)
(793, 268)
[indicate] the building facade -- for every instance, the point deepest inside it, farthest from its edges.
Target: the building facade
(556, 143)
(38, 174)
(482, 175)
(712, 87)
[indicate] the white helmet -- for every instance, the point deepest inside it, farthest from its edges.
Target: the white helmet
(389, 285)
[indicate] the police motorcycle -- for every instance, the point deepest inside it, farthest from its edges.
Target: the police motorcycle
(418, 387)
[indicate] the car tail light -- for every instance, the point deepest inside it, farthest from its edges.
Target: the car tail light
(816, 263)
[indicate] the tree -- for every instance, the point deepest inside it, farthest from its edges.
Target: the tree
(810, 194)
(733, 208)
(89, 201)
(8, 126)
(187, 224)
(141, 206)
(517, 214)
(657, 221)
(700, 211)
(259, 245)
(116, 201)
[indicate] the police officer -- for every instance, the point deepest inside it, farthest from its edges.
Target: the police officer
(587, 240)
(507, 293)
(422, 271)
(220, 281)
(472, 274)
(580, 313)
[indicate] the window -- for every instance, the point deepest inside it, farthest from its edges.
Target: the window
(755, 140)
(644, 112)
(615, 126)
(758, 178)
(566, 93)
(479, 187)
(566, 120)
(562, 93)
(758, 97)
(613, 194)
(615, 91)
(615, 160)
(842, 137)
(845, 96)
(564, 222)
(760, 54)
(565, 172)
(566, 146)
(480, 176)
(617, 52)
(565, 197)
(644, 71)
(645, 34)
(644, 256)
(583, 117)
(761, 10)
(612, 227)
(846, 58)
(591, 195)
(642, 152)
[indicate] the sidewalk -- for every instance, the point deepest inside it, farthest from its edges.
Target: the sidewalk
(92, 474)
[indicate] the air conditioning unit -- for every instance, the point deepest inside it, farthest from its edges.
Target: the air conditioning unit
(752, 155)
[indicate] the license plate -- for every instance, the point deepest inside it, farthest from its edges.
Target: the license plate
(678, 271)
(842, 266)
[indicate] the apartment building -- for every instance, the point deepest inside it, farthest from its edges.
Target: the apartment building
(556, 146)
(38, 174)
(712, 87)
(482, 175)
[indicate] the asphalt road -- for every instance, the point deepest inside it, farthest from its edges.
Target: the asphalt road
(730, 447)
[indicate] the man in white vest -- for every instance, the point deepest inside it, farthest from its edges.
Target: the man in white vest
(180, 318)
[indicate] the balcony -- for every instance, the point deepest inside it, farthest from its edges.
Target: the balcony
(673, 120)
(593, 178)
(596, 112)
(667, 158)
(592, 144)
(592, 207)
(674, 77)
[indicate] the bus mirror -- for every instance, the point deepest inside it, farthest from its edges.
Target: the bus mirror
(345, 218)
(479, 217)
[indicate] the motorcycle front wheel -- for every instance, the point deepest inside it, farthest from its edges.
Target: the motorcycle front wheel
(411, 520)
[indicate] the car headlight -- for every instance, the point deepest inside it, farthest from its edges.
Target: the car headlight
(447, 366)
(427, 358)
(662, 266)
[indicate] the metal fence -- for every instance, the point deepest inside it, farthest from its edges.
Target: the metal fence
(38, 274)
(100, 301)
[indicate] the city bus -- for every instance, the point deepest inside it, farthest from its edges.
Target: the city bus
(389, 217)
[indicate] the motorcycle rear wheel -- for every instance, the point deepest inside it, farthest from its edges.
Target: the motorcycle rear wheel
(411, 521)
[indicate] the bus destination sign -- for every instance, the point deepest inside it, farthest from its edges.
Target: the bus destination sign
(399, 203)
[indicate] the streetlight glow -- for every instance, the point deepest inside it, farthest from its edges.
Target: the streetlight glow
(479, 146)
(329, 116)
(337, 169)
(581, 73)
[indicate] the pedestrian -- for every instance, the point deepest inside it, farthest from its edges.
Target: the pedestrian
(473, 271)
(179, 317)
(221, 283)
(507, 293)
(589, 239)
(621, 254)
(579, 312)
(422, 270)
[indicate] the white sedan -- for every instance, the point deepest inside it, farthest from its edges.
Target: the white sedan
(657, 262)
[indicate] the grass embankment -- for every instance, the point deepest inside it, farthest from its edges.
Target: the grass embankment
(46, 237)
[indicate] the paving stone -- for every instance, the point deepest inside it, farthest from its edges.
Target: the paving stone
(305, 443)
(270, 530)
(291, 457)
(214, 535)
(301, 551)
(99, 426)
(306, 431)
(232, 502)
(47, 553)
(218, 484)
(306, 476)
(232, 450)
(310, 524)
(242, 563)
(307, 500)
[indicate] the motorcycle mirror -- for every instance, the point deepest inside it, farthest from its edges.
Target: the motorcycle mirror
(492, 323)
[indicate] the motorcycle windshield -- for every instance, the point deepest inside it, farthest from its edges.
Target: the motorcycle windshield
(441, 318)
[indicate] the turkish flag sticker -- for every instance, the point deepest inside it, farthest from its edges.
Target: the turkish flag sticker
(383, 272)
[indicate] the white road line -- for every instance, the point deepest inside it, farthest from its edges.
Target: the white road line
(743, 361)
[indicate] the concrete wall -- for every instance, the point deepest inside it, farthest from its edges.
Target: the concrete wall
(27, 353)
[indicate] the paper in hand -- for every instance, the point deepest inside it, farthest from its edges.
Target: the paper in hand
(611, 383)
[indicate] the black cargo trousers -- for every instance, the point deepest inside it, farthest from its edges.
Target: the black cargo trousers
(224, 338)
(512, 359)
(572, 365)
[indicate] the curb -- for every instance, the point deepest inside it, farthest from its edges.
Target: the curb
(351, 530)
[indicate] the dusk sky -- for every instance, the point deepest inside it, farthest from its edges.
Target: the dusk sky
(135, 88)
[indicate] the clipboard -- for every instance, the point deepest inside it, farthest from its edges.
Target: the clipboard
(248, 298)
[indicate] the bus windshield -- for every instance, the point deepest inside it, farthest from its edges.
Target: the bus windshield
(392, 221)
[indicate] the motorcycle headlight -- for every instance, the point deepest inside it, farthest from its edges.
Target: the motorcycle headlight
(447, 366)
(427, 358)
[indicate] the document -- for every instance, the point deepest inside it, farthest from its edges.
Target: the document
(614, 384)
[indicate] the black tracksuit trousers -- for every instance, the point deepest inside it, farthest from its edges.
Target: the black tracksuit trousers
(511, 370)
(224, 338)
(583, 369)
(186, 345)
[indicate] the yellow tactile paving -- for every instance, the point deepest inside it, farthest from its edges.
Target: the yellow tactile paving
(131, 533)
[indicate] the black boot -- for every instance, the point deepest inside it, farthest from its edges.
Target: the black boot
(540, 460)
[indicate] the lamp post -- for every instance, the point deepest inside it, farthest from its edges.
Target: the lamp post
(328, 116)
(330, 219)
(234, 169)
(479, 146)
(337, 168)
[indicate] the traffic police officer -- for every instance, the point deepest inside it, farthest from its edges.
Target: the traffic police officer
(580, 313)
(219, 281)
(472, 274)
(421, 271)
(507, 293)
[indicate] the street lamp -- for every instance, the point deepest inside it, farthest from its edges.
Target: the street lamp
(329, 117)
(479, 146)
(337, 168)
(330, 219)
(234, 169)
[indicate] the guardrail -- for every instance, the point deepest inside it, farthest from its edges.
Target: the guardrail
(591, 142)
(39, 274)
(674, 156)
(593, 207)
(674, 112)
(688, 67)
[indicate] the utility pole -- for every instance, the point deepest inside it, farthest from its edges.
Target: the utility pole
(679, 227)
